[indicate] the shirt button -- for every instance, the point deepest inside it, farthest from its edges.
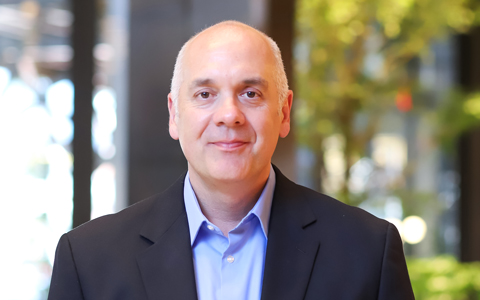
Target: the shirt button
(210, 227)
(230, 259)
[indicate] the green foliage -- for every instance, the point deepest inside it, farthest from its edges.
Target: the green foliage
(352, 61)
(457, 115)
(444, 278)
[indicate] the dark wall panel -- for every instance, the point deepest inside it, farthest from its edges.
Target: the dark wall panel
(208, 12)
(158, 30)
(470, 197)
(280, 27)
(469, 153)
(83, 38)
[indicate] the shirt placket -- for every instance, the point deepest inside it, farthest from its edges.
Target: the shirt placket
(232, 263)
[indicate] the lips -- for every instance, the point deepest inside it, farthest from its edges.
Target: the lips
(230, 145)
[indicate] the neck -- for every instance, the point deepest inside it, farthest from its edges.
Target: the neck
(225, 204)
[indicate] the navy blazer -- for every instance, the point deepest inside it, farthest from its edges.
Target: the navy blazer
(318, 248)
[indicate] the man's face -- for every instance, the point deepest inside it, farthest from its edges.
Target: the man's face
(228, 122)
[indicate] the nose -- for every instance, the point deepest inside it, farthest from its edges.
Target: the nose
(228, 113)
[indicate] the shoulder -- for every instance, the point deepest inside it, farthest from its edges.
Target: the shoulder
(330, 213)
(354, 246)
(128, 220)
(332, 210)
(128, 223)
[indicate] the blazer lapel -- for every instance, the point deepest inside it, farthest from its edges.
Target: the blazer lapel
(292, 247)
(167, 265)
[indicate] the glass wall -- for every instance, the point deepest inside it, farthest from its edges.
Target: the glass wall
(36, 130)
(109, 104)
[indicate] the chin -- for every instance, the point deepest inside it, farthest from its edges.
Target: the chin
(231, 171)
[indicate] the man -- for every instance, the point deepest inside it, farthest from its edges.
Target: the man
(233, 227)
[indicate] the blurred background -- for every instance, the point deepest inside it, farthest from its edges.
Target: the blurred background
(386, 117)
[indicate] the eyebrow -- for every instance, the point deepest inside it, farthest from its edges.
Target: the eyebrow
(259, 81)
(256, 81)
(201, 82)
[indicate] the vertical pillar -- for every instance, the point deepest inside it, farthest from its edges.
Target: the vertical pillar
(158, 28)
(83, 38)
(469, 153)
(469, 159)
(280, 27)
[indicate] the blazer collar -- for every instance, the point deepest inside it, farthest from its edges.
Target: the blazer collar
(292, 244)
(166, 266)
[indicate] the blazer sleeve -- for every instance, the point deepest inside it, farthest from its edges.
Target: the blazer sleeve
(394, 280)
(65, 283)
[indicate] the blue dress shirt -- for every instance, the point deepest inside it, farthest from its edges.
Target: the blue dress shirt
(229, 267)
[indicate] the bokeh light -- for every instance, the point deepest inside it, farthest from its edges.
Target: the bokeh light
(414, 229)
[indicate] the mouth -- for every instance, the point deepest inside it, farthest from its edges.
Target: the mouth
(229, 145)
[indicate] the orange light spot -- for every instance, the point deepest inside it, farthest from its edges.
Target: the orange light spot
(403, 101)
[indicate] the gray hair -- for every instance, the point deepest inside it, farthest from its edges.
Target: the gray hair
(280, 77)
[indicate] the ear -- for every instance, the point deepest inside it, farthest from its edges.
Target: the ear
(172, 124)
(286, 109)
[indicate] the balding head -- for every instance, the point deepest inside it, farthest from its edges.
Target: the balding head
(224, 32)
(226, 106)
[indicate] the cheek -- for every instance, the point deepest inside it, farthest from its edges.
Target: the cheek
(267, 130)
(192, 126)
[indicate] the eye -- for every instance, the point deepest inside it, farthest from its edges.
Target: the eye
(251, 94)
(205, 95)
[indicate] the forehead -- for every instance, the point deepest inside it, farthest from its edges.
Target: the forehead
(228, 52)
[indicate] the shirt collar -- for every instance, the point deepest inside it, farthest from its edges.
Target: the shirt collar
(261, 209)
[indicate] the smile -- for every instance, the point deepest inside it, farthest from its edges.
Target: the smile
(229, 145)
